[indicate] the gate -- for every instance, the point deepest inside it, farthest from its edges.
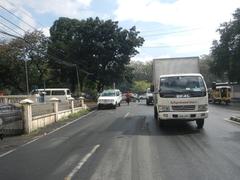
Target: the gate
(11, 122)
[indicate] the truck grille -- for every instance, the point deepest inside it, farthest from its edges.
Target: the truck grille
(183, 108)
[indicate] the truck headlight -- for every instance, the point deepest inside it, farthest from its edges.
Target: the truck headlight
(163, 108)
(202, 107)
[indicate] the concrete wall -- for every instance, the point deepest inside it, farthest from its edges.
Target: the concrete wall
(32, 122)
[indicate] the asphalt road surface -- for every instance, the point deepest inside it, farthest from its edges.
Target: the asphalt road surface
(125, 144)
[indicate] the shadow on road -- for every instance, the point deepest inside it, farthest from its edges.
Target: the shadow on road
(147, 126)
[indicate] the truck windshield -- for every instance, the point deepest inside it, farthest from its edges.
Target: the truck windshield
(182, 86)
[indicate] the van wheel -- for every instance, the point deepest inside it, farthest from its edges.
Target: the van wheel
(200, 123)
(119, 104)
(98, 107)
(115, 106)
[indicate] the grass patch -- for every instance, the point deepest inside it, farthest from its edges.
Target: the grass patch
(77, 114)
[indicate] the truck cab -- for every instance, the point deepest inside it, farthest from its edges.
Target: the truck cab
(181, 97)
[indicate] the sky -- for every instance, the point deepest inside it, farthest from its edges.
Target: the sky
(171, 28)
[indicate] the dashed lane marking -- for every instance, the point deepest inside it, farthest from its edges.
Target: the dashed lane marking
(81, 163)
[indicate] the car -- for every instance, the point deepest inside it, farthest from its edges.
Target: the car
(109, 98)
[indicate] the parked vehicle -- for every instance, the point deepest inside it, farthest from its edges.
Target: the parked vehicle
(221, 92)
(180, 91)
(44, 95)
(149, 97)
(110, 97)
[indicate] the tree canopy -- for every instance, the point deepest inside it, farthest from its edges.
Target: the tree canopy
(101, 49)
(226, 51)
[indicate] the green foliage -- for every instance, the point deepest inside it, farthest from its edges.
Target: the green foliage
(100, 48)
(204, 65)
(142, 71)
(140, 86)
(32, 48)
(226, 51)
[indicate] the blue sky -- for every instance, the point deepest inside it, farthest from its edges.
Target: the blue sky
(171, 28)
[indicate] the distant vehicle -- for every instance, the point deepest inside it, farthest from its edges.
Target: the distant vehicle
(43, 95)
(221, 92)
(180, 91)
(110, 97)
(149, 97)
(143, 96)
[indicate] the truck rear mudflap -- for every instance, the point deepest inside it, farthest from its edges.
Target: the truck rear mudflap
(190, 116)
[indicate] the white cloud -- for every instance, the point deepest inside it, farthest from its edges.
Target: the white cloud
(27, 22)
(69, 8)
(179, 13)
(207, 15)
(45, 31)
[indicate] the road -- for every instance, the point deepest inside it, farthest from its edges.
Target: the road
(125, 144)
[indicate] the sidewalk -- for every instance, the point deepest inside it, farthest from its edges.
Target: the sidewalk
(12, 142)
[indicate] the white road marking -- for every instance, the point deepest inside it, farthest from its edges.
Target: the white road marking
(126, 115)
(232, 121)
(29, 142)
(81, 163)
(6, 153)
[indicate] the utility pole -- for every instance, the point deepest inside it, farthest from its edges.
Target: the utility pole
(78, 93)
(26, 72)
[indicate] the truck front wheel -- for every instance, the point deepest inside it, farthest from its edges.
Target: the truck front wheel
(200, 123)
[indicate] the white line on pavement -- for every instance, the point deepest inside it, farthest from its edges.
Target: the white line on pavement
(126, 115)
(6, 153)
(232, 121)
(29, 142)
(81, 163)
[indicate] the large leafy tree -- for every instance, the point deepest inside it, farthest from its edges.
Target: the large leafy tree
(100, 49)
(32, 49)
(226, 51)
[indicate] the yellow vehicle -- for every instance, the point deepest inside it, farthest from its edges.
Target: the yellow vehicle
(221, 92)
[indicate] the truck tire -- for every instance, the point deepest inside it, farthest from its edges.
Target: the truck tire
(98, 107)
(200, 123)
(115, 106)
(160, 122)
(147, 103)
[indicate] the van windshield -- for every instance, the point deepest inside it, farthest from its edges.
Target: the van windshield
(182, 86)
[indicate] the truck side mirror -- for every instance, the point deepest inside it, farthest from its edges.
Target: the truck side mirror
(152, 88)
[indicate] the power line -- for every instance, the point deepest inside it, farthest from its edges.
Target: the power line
(10, 28)
(17, 17)
(173, 32)
(167, 46)
(16, 7)
(12, 23)
(11, 35)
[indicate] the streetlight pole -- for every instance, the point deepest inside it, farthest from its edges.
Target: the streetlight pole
(26, 72)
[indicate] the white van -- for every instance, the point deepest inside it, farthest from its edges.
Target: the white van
(44, 95)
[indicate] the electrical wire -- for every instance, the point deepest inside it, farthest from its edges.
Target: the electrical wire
(10, 28)
(12, 23)
(17, 17)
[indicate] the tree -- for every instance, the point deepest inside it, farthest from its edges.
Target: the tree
(205, 69)
(99, 48)
(142, 71)
(140, 86)
(226, 51)
(31, 48)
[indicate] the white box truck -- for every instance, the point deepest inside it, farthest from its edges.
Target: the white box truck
(179, 90)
